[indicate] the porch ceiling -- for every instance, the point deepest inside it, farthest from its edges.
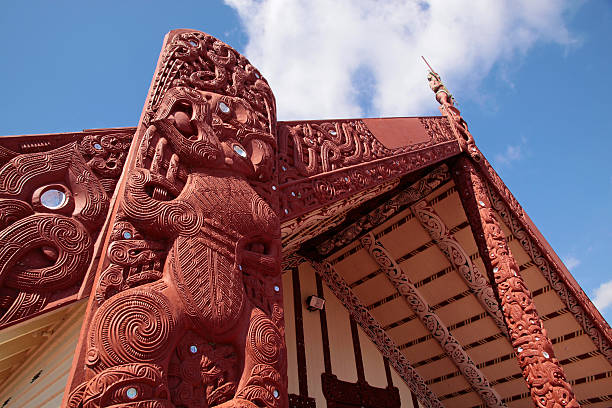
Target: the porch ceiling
(445, 290)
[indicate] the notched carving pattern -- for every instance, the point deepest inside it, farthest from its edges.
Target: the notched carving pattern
(190, 281)
(541, 369)
(432, 322)
(459, 258)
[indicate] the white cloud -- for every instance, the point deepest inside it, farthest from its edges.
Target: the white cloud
(571, 262)
(310, 50)
(603, 296)
(512, 153)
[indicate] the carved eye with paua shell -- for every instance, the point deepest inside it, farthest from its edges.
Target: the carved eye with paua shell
(53, 198)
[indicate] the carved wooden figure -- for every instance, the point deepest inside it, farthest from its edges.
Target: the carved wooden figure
(187, 306)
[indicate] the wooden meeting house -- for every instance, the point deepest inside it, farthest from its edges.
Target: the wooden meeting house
(214, 256)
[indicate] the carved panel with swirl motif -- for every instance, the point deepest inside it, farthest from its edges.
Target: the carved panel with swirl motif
(321, 162)
(54, 196)
(189, 283)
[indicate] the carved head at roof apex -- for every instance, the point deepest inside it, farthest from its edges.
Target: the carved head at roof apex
(445, 98)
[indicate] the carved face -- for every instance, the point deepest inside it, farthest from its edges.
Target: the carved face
(434, 81)
(217, 131)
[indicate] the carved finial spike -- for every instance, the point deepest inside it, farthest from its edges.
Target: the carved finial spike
(428, 66)
(443, 96)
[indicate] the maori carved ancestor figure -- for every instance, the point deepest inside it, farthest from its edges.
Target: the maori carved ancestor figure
(52, 205)
(187, 307)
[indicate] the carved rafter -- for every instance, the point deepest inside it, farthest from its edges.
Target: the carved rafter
(385, 211)
(541, 370)
(432, 322)
(460, 259)
(377, 334)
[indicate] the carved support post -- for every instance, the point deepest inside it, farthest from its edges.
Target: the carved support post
(377, 334)
(460, 259)
(541, 370)
(186, 308)
(432, 322)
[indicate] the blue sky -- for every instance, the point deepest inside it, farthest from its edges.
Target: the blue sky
(532, 81)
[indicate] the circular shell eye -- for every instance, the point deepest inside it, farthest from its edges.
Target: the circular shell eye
(131, 393)
(240, 150)
(223, 107)
(53, 199)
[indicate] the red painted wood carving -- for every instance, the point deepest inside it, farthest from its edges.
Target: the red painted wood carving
(377, 334)
(459, 258)
(432, 322)
(323, 162)
(187, 307)
(343, 394)
(530, 238)
(379, 215)
(52, 205)
(541, 370)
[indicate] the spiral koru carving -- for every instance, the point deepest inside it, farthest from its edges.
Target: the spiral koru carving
(264, 339)
(190, 280)
(134, 326)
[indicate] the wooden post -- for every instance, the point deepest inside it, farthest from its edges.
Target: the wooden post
(541, 370)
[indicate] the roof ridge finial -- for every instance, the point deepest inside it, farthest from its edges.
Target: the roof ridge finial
(444, 97)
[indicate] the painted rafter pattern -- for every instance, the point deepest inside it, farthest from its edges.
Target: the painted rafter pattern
(541, 369)
(377, 334)
(432, 322)
(532, 241)
(460, 259)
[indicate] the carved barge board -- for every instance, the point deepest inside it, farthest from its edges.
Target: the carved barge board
(541, 369)
(534, 243)
(187, 301)
(322, 162)
(54, 194)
